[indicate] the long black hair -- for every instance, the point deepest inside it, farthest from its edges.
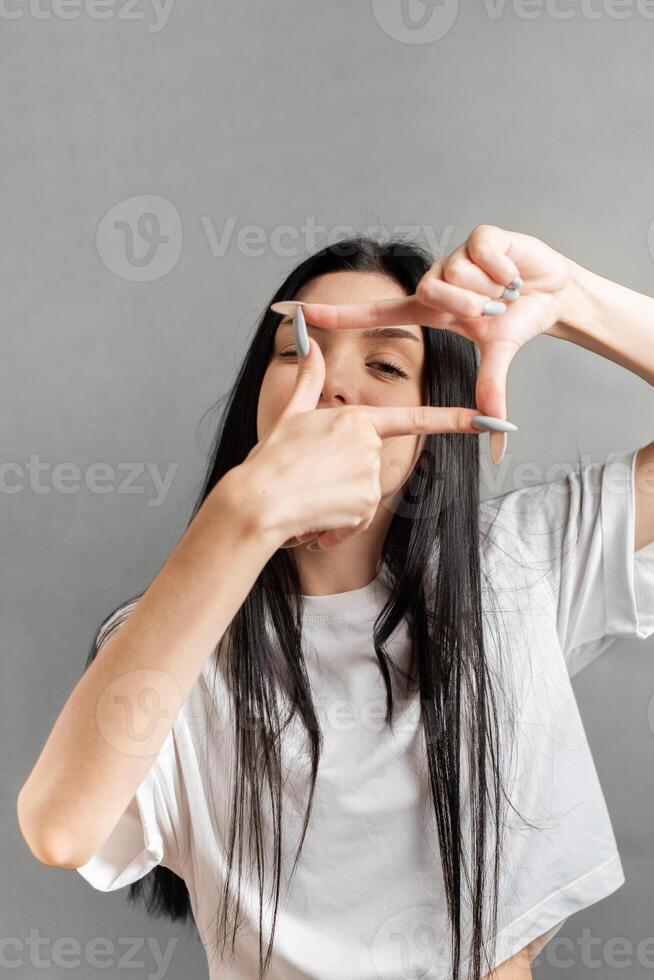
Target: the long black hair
(436, 527)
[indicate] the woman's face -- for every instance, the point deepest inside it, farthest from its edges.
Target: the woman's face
(358, 370)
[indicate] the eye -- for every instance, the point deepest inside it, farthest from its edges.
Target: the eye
(387, 366)
(392, 369)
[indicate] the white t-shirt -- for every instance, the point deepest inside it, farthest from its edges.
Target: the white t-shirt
(367, 898)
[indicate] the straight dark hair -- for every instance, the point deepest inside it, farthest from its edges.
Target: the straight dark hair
(431, 558)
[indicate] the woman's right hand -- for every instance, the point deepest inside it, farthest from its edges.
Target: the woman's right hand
(319, 470)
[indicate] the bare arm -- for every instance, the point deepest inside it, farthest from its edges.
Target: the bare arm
(644, 496)
(516, 968)
(91, 764)
(617, 323)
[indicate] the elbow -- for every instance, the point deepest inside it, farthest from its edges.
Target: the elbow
(46, 845)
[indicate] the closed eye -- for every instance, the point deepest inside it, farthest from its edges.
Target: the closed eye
(388, 366)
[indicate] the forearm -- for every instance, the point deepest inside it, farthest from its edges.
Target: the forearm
(608, 319)
(95, 757)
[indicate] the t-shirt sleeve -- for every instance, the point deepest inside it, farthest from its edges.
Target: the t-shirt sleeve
(150, 831)
(577, 533)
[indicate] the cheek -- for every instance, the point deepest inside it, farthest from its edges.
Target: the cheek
(400, 454)
(398, 460)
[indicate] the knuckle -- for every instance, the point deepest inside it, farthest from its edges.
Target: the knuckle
(461, 419)
(374, 441)
(486, 384)
(483, 252)
(480, 231)
(480, 249)
(470, 305)
(371, 500)
(343, 420)
(426, 289)
(419, 417)
(454, 271)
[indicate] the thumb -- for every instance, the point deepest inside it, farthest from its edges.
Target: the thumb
(490, 392)
(309, 382)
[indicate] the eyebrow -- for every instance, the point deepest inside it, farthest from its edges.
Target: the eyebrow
(387, 333)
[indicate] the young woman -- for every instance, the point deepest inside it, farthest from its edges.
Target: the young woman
(338, 727)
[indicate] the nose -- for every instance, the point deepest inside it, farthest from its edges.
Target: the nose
(339, 387)
(335, 394)
(336, 402)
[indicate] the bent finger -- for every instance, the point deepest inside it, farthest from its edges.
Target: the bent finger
(487, 247)
(459, 270)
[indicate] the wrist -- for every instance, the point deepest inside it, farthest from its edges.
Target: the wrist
(249, 506)
(578, 297)
(579, 305)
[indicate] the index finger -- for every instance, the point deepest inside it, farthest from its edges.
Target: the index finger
(401, 420)
(376, 313)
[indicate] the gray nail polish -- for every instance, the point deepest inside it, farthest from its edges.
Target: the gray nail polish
(300, 335)
(494, 425)
(515, 283)
(511, 294)
(493, 308)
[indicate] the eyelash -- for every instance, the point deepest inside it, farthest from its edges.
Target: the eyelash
(392, 369)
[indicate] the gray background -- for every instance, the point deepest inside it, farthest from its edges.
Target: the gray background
(268, 114)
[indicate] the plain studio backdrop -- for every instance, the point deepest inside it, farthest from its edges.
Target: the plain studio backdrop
(164, 166)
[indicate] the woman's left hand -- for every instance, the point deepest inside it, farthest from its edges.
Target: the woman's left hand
(452, 295)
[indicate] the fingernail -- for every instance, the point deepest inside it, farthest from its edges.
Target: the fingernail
(490, 423)
(498, 446)
(286, 306)
(300, 335)
(493, 308)
(314, 546)
(511, 294)
(515, 283)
